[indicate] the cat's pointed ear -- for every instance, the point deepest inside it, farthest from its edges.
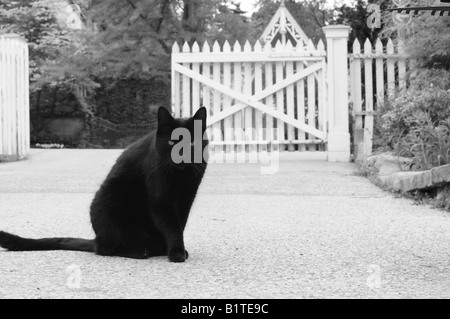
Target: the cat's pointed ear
(164, 117)
(201, 114)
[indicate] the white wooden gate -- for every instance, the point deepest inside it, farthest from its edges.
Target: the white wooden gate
(271, 98)
(14, 98)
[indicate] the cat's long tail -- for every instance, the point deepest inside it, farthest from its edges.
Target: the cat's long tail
(16, 243)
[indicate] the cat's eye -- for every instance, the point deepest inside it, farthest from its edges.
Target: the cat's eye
(171, 143)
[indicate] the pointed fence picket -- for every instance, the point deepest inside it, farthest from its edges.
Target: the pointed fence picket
(269, 100)
(300, 101)
(195, 83)
(290, 99)
(237, 86)
(248, 112)
(205, 91)
(217, 102)
(227, 100)
(376, 74)
(258, 87)
(279, 97)
(186, 103)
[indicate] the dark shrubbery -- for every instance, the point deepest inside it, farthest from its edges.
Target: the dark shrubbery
(416, 123)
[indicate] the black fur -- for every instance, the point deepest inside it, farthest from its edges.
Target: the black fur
(142, 207)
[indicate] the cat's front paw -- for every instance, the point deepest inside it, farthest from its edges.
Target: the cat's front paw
(178, 257)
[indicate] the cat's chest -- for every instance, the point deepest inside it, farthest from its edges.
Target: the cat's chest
(176, 188)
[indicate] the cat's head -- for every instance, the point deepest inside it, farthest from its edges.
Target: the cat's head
(182, 141)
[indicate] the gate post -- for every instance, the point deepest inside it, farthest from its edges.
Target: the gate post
(338, 126)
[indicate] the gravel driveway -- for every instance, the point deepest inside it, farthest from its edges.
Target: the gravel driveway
(312, 230)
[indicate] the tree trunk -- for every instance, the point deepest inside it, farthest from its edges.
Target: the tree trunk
(164, 5)
(190, 22)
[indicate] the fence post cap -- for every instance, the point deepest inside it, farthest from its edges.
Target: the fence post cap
(12, 36)
(336, 31)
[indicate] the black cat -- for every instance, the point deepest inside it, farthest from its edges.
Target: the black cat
(142, 207)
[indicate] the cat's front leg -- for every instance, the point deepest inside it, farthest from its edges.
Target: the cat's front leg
(167, 221)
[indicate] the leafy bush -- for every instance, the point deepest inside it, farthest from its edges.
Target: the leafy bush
(417, 124)
(426, 143)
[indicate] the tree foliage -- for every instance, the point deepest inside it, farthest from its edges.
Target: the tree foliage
(133, 38)
(130, 41)
(356, 18)
(50, 41)
(427, 42)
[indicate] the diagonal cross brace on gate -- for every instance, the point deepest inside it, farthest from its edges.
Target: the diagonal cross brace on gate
(254, 101)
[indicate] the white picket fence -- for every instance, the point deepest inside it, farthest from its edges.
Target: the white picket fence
(377, 72)
(258, 97)
(14, 98)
